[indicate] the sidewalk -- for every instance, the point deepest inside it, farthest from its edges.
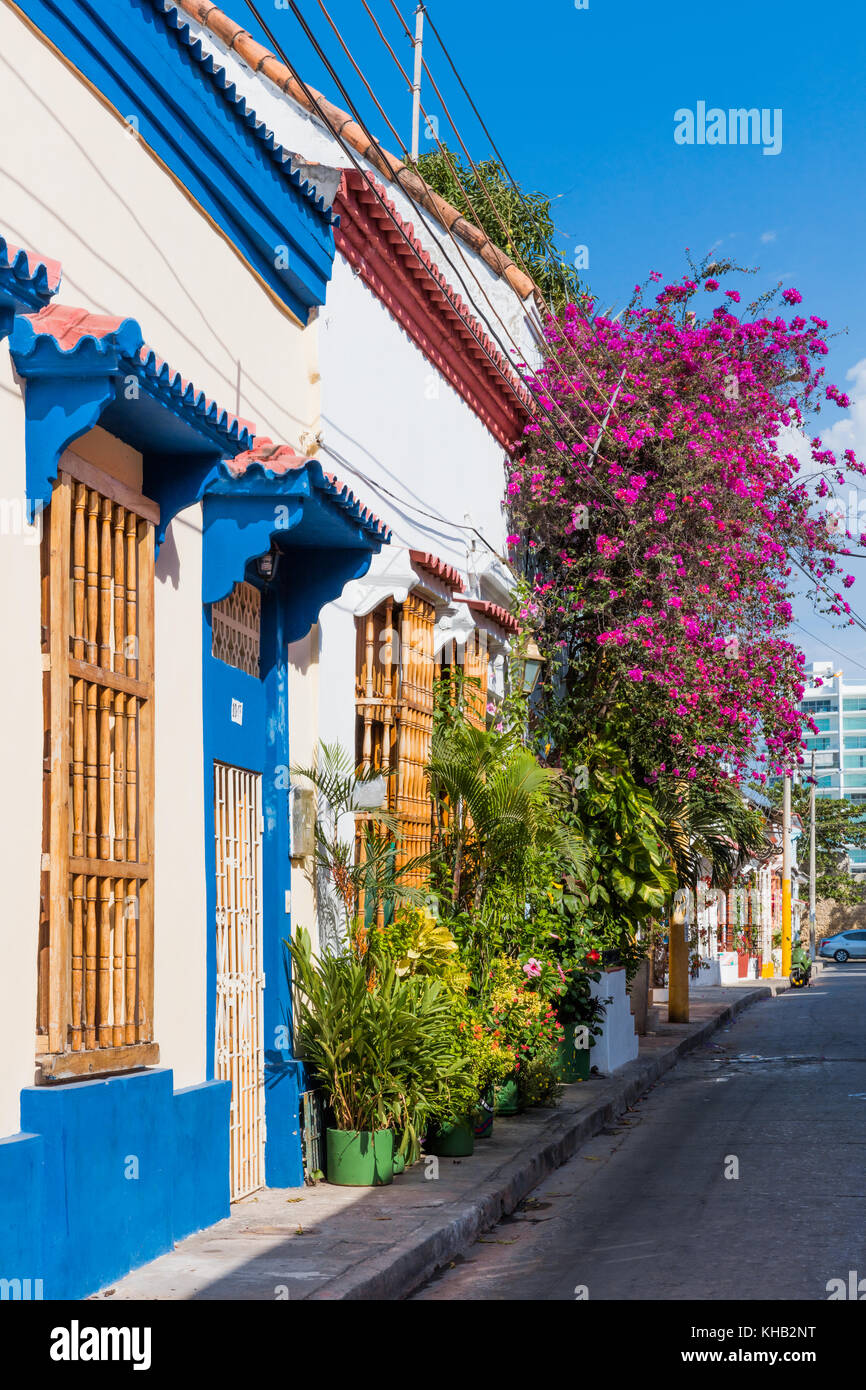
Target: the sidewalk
(360, 1243)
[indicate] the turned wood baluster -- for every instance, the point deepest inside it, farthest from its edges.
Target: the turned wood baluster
(90, 963)
(119, 698)
(103, 1001)
(118, 1031)
(131, 647)
(79, 548)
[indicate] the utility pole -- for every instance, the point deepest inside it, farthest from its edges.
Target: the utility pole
(786, 878)
(416, 86)
(812, 890)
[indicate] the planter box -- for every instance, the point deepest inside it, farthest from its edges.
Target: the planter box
(618, 1042)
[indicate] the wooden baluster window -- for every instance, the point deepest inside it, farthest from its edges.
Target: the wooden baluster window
(95, 1001)
(394, 706)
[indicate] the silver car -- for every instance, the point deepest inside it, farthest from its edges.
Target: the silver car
(845, 945)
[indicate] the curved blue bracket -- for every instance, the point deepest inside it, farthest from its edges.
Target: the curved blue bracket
(312, 578)
(65, 393)
(236, 531)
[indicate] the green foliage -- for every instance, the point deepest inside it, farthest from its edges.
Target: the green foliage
(340, 788)
(839, 826)
(386, 1049)
(522, 224)
(630, 875)
(418, 944)
(713, 823)
(496, 806)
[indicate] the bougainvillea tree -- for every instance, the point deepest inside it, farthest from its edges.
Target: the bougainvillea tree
(662, 524)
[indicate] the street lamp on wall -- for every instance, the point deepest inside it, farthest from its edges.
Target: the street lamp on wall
(527, 668)
(268, 564)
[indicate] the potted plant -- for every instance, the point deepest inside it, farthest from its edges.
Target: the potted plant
(581, 1015)
(525, 1020)
(384, 1048)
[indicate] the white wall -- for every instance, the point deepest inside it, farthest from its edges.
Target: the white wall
(133, 244)
(76, 187)
(20, 764)
(181, 922)
(408, 430)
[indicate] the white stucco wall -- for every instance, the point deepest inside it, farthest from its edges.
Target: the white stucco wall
(76, 187)
(20, 762)
(180, 907)
(133, 244)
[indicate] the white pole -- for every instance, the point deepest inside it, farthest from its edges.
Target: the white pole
(416, 87)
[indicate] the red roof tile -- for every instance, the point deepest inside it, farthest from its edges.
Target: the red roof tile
(241, 42)
(277, 459)
(494, 611)
(447, 573)
(68, 325)
(52, 269)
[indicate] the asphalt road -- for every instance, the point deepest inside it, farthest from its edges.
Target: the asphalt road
(645, 1210)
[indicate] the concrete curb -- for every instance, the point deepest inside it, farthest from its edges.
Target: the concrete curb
(405, 1266)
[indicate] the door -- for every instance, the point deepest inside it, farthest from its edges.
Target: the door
(239, 1053)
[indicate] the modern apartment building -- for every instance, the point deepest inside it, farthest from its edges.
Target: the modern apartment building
(839, 712)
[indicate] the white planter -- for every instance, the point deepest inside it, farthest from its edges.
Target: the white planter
(618, 1041)
(728, 968)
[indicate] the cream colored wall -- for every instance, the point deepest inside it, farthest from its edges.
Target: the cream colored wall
(78, 187)
(20, 762)
(180, 907)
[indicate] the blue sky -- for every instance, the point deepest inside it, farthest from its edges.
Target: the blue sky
(581, 103)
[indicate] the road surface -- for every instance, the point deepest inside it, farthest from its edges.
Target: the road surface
(742, 1174)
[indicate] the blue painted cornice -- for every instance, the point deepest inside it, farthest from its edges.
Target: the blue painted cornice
(74, 383)
(143, 58)
(323, 533)
(25, 285)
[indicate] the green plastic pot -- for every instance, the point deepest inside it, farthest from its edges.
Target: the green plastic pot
(452, 1141)
(359, 1158)
(399, 1165)
(483, 1126)
(508, 1097)
(572, 1063)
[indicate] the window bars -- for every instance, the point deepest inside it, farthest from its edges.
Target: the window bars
(95, 985)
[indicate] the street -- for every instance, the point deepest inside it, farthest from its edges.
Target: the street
(739, 1176)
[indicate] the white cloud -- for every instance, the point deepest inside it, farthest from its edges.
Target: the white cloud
(768, 236)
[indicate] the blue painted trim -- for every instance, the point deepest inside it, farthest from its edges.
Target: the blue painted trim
(22, 1222)
(325, 539)
(148, 66)
(111, 1173)
(179, 431)
(22, 289)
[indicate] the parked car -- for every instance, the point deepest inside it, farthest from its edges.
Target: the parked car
(844, 945)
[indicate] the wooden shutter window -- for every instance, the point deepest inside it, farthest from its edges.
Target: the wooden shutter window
(95, 1003)
(474, 662)
(394, 705)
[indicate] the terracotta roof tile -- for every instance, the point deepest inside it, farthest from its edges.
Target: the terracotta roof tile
(447, 573)
(494, 611)
(275, 460)
(42, 274)
(68, 325)
(235, 37)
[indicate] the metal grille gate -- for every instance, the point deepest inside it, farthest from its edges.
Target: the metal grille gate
(240, 981)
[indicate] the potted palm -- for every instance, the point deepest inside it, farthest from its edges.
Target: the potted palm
(383, 1048)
